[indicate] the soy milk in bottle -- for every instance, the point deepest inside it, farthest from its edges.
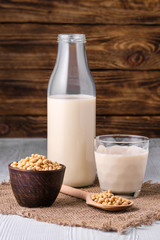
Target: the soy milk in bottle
(72, 112)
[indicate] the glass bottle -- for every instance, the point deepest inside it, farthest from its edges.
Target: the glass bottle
(72, 112)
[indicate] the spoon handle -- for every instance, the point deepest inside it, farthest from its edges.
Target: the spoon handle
(73, 192)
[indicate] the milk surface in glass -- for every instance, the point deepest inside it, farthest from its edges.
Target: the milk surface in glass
(121, 168)
(71, 132)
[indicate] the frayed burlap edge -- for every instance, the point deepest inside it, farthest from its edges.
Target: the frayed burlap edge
(69, 211)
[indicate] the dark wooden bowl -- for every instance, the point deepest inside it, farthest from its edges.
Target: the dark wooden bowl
(36, 188)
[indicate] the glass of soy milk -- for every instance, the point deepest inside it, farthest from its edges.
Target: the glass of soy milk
(121, 163)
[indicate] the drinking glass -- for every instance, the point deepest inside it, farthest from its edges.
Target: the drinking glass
(121, 163)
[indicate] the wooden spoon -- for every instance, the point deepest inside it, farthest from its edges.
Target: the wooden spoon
(87, 197)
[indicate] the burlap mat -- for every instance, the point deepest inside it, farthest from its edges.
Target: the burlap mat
(70, 211)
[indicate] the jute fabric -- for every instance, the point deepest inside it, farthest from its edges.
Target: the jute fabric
(70, 211)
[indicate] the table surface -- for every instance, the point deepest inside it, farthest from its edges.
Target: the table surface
(14, 227)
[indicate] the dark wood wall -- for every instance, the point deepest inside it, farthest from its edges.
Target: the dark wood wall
(123, 50)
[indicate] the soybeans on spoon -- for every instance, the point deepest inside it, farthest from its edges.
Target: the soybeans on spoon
(87, 197)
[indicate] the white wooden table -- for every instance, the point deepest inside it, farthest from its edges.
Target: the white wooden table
(14, 227)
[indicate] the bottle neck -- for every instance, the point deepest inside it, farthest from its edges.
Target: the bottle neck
(71, 74)
(72, 59)
(73, 55)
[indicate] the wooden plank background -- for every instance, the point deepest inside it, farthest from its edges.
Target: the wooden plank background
(123, 50)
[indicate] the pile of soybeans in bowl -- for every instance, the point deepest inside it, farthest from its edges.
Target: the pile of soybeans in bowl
(36, 162)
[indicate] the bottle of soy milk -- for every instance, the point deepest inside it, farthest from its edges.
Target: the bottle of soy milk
(72, 112)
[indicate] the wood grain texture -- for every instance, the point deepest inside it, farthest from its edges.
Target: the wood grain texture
(28, 186)
(12, 226)
(24, 92)
(34, 46)
(146, 125)
(82, 11)
(28, 126)
(123, 53)
(36, 126)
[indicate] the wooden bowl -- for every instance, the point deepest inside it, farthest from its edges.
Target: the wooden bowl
(36, 188)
